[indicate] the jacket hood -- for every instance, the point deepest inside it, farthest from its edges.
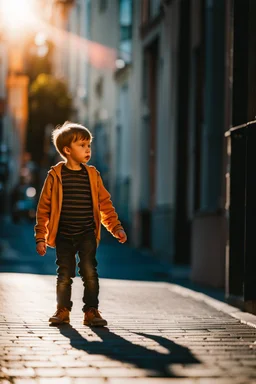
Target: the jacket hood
(55, 170)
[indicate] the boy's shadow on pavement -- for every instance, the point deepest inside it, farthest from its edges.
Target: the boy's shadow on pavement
(118, 348)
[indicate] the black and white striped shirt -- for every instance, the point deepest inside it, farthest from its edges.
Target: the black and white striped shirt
(77, 211)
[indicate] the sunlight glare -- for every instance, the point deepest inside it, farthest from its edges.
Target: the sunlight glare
(17, 14)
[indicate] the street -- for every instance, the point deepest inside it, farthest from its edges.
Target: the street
(158, 332)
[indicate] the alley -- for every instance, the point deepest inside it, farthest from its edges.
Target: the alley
(158, 332)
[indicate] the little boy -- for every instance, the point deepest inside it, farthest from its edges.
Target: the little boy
(72, 205)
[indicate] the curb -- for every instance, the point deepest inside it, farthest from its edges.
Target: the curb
(244, 317)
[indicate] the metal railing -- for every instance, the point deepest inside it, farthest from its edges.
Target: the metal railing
(241, 250)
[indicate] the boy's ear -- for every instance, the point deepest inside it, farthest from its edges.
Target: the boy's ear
(66, 150)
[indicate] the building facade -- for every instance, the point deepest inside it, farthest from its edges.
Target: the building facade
(178, 124)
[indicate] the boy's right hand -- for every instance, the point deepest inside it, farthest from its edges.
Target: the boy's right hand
(41, 248)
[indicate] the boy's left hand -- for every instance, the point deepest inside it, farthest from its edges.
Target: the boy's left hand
(121, 236)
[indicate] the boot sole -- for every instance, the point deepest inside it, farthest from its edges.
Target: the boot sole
(59, 322)
(103, 324)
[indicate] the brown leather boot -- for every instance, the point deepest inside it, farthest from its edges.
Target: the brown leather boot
(93, 318)
(60, 316)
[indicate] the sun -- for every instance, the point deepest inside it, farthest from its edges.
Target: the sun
(17, 14)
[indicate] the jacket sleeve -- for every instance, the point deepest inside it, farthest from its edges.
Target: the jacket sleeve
(108, 214)
(43, 211)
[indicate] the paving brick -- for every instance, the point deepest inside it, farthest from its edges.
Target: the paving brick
(49, 372)
(83, 372)
(25, 372)
(32, 357)
(90, 381)
(12, 357)
(150, 380)
(127, 372)
(12, 364)
(39, 364)
(55, 380)
(25, 381)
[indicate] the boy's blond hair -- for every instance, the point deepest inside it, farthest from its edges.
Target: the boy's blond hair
(64, 135)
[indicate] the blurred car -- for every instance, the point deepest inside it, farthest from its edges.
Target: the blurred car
(24, 202)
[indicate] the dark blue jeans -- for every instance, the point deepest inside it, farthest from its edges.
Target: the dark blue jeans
(66, 248)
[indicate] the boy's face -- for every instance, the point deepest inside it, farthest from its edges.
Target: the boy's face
(79, 151)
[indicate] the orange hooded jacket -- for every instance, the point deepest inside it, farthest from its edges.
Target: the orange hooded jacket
(50, 203)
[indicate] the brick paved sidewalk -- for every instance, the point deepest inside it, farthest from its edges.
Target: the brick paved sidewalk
(156, 334)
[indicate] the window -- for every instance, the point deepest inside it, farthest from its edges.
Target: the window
(150, 9)
(125, 15)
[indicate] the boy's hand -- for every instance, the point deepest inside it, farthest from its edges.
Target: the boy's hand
(41, 248)
(121, 236)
